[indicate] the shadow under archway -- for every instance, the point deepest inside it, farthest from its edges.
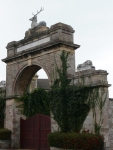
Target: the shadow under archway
(24, 79)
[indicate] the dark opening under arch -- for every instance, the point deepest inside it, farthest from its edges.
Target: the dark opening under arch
(24, 78)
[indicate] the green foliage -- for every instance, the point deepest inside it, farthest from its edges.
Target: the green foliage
(2, 93)
(35, 102)
(2, 107)
(70, 104)
(62, 80)
(1, 123)
(5, 134)
(85, 141)
(69, 107)
(97, 102)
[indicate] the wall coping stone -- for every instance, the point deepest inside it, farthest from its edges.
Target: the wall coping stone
(91, 72)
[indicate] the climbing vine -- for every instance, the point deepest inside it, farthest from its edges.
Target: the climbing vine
(68, 101)
(35, 102)
(70, 104)
(97, 102)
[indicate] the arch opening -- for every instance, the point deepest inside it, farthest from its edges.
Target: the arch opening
(40, 79)
(27, 80)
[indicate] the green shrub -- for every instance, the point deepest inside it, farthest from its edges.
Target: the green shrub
(5, 134)
(2, 107)
(85, 141)
(1, 123)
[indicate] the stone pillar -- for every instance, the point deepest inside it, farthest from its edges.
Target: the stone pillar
(12, 121)
(96, 78)
(33, 84)
(110, 112)
(54, 125)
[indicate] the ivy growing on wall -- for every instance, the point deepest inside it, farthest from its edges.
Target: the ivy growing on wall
(97, 102)
(70, 104)
(35, 102)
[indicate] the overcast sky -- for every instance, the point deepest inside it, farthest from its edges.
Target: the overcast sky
(92, 21)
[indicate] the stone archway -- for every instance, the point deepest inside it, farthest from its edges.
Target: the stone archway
(40, 48)
(24, 78)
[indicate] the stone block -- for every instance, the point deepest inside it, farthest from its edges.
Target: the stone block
(5, 144)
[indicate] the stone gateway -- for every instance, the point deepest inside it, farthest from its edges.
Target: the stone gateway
(41, 48)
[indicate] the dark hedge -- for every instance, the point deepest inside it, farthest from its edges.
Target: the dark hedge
(84, 141)
(5, 134)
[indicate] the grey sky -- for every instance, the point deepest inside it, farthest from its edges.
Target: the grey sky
(92, 21)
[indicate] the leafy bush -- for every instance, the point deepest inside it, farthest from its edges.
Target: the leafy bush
(85, 141)
(2, 108)
(5, 134)
(1, 123)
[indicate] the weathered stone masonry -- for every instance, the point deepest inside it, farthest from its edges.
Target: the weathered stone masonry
(97, 78)
(41, 48)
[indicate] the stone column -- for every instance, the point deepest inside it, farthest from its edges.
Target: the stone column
(12, 121)
(96, 78)
(110, 112)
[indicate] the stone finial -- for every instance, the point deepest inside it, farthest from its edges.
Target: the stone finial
(86, 66)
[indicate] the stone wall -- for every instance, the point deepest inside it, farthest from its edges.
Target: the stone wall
(54, 125)
(5, 144)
